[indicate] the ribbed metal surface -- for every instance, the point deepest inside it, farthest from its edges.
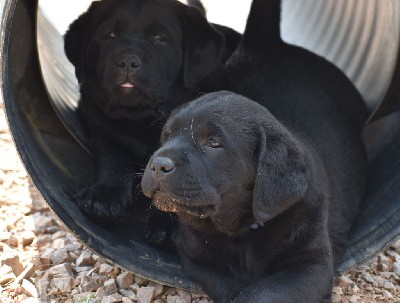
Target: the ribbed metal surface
(360, 36)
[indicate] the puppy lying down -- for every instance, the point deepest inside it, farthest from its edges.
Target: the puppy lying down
(263, 208)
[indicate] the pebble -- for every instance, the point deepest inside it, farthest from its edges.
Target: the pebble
(59, 256)
(13, 261)
(64, 284)
(29, 288)
(128, 293)
(125, 279)
(112, 298)
(387, 295)
(110, 286)
(61, 270)
(145, 294)
(85, 259)
(105, 269)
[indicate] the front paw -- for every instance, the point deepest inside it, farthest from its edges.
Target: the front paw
(160, 230)
(104, 202)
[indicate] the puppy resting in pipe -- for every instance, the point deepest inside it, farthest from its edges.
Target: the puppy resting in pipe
(135, 61)
(265, 191)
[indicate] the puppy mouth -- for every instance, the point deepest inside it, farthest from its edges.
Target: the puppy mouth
(127, 85)
(166, 202)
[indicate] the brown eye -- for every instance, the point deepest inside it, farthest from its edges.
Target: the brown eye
(111, 35)
(213, 143)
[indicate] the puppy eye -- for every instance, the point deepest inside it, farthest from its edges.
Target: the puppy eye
(111, 35)
(160, 38)
(213, 143)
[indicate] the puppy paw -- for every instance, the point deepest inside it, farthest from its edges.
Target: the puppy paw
(160, 230)
(105, 203)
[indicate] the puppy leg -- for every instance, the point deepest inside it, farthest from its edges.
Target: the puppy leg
(107, 199)
(160, 230)
(296, 283)
(219, 286)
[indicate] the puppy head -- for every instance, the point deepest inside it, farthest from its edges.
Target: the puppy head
(227, 160)
(133, 52)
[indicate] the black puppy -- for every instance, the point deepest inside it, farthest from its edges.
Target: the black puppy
(135, 61)
(265, 197)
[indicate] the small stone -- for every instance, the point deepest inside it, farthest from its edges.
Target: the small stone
(73, 247)
(6, 278)
(368, 278)
(396, 268)
(105, 269)
(337, 290)
(58, 243)
(27, 238)
(354, 299)
(158, 288)
(384, 260)
(175, 299)
(13, 261)
(42, 222)
(88, 284)
(344, 281)
(139, 280)
(125, 279)
(185, 295)
(61, 270)
(12, 241)
(128, 293)
(64, 284)
(336, 298)
(100, 293)
(387, 295)
(127, 300)
(110, 286)
(45, 257)
(85, 259)
(389, 285)
(60, 256)
(29, 288)
(43, 240)
(58, 234)
(145, 294)
(30, 300)
(84, 269)
(27, 273)
(85, 297)
(135, 287)
(112, 298)
(42, 286)
(385, 274)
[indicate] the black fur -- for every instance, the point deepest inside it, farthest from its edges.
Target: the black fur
(135, 61)
(266, 191)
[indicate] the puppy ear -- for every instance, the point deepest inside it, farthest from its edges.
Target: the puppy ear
(77, 36)
(204, 46)
(281, 178)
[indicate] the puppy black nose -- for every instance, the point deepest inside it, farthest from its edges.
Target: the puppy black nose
(130, 61)
(162, 165)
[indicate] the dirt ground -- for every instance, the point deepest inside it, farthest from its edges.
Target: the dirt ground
(40, 261)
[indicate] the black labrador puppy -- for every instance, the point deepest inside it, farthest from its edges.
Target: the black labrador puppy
(265, 191)
(135, 61)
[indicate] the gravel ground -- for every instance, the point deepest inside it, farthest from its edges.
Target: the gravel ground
(40, 261)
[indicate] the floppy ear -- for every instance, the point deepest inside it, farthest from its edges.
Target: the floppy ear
(76, 38)
(204, 46)
(281, 178)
